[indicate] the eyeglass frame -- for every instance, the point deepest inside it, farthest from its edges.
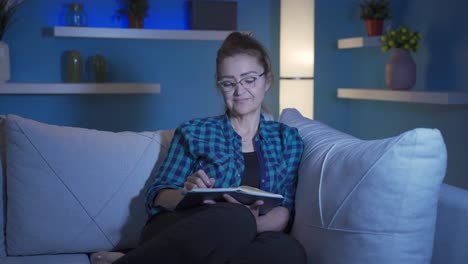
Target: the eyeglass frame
(236, 84)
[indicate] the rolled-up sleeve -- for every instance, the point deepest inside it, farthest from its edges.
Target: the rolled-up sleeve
(292, 155)
(175, 168)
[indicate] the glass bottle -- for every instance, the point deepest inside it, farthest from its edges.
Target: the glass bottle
(76, 16)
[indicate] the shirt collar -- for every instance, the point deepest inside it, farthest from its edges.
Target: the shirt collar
(229, 130)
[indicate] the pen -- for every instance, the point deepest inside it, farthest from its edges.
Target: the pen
(201, 167)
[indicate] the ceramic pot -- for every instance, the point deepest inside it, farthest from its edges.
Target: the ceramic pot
(400, 71)
(133, 21)
(374, 27)
(4, 62)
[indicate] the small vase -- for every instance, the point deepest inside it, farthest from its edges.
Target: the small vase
(4, 62)
(400, 71)
(73, 66)
(374, 27)
(96, 68)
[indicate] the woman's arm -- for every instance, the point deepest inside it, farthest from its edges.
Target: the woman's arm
(168, 198)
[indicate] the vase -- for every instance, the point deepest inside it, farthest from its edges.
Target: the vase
(4, 62)
(400, 70)
(96, 68)
(73, 66)
(374, 27)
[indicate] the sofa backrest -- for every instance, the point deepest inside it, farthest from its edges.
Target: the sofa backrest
(451, 235)
(2, 186)
(75, 190)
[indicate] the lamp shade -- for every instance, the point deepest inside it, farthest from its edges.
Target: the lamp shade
(297, 38)
(297, 55)
(297, 94)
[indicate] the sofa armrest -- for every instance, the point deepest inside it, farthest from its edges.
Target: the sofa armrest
(451, 235)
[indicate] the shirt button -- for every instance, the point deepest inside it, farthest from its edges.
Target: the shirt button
(238, 175)
(263, 181)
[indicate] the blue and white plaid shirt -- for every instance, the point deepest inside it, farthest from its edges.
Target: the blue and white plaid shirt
(213, 143)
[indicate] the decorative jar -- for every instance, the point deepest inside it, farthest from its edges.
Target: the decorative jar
(73, 66)
(96, 68)
(76, 16)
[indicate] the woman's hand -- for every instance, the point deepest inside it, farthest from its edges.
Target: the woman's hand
(274, 220)
(254, 208)
(199, 180)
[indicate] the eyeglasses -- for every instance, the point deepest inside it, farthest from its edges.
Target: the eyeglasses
(247, 83)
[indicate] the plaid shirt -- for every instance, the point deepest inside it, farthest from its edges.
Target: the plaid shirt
(213, 144)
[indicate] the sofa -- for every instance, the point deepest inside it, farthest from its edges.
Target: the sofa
(68, 192)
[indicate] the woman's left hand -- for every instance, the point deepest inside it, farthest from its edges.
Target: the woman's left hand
(275, 220)
(254, 208)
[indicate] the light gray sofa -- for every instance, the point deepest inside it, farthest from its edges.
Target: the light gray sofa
(71, 191)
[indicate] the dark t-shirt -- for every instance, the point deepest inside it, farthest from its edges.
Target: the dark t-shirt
(251, 176)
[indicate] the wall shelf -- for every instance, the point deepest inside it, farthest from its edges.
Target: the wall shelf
(359, 42)
(443, 98)
(79, 88)
(131, 33)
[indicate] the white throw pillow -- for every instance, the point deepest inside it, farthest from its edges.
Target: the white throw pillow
(73, 190)
(367, 201)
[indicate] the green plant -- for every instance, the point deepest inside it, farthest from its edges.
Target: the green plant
(375, 9)
(401, 38)
(139, 8)
(7, 10)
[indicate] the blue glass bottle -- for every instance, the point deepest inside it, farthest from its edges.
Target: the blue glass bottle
(76, 16)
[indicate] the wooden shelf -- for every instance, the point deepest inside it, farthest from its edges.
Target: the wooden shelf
(80, 88)
(443, 98)
(131, 33)
(359, 42)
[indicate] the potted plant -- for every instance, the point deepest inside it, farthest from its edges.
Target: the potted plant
(135, 10)
(7, 10)
(400, 70)
(374, 12)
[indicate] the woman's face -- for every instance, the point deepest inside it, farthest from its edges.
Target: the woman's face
(243, 83)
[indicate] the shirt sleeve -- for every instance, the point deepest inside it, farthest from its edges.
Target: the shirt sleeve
(176, 166)
(292, 155)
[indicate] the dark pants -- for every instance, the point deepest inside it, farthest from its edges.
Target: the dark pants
(218, 233)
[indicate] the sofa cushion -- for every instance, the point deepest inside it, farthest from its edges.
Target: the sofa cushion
(76, 190)
(367, 201)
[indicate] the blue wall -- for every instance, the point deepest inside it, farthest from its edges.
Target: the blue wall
(442, 65)
(185, 69)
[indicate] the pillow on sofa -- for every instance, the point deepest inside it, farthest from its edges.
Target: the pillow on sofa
(74, 190)
(367, 201)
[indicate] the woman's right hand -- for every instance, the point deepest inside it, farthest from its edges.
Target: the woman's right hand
(198, 180)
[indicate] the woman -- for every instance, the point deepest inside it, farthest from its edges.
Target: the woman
(237, 148)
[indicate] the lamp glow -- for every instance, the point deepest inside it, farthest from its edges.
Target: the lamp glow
(297, 55)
